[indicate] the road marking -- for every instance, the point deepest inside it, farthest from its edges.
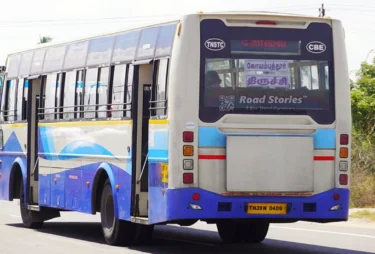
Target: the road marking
(16, 216)
(324, 231)
(185, 241)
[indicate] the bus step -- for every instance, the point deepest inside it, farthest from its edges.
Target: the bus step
(34, 208)
(141, 220)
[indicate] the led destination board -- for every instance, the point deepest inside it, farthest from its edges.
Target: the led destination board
(272, 47)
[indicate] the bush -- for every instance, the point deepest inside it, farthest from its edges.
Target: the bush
(363, 145)
(362, 173)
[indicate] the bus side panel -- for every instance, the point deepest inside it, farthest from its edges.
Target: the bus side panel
(15, 139)
(73, 192)
(71, 156)
(158, 170)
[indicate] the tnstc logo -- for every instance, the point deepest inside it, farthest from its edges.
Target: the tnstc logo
(215, 44)
(316, 47)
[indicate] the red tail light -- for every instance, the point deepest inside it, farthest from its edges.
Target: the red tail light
(196, 196)
(266, 22)
(344, 139)
(188, 136)
(343, 179)
(188, 178)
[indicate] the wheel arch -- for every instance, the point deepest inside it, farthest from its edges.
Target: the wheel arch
(16, 177)
(103, 173)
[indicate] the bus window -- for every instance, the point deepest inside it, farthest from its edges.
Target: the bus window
(11, 100)
(69, 88)
(129, 89)
(118, 90)
(309, 76)
(50, 89)
(20, 97)
(90, 93)
(58, 94)
(161, 87)
(103, 92)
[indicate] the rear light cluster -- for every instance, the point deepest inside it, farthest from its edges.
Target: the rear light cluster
(188, 151)
(344, 155)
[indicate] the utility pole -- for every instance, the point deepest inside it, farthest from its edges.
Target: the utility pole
(322, 11)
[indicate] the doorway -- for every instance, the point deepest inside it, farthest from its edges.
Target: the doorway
(32, 139)
(143, 77)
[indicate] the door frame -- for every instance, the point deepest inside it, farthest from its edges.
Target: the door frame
(136, 99)
(32, 139)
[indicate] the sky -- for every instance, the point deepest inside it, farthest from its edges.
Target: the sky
(22, 22)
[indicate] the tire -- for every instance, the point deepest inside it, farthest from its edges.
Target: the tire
(29, 218)
(254, 232)
(116, 232)
(143, 235)
(245, 232)
(228, 231)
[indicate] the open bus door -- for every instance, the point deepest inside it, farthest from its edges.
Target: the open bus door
(33, 216)
(2, 76)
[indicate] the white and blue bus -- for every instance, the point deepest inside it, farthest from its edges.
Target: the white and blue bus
(235, 119)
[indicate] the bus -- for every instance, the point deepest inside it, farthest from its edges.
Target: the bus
(237, 119)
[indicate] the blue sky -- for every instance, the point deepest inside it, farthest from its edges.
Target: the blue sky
(22, 21)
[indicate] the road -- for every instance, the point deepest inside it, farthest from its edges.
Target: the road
(76, 233)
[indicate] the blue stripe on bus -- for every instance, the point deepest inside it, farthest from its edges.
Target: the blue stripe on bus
(158, 153)
(160, 139)
(213, 137)
(158, 146)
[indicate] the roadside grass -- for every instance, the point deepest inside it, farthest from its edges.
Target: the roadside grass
(364, 215)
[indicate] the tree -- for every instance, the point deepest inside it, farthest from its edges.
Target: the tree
(363, 139)
(363, 101)
(44, 39)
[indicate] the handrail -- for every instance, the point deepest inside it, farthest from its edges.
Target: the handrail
(143, 168)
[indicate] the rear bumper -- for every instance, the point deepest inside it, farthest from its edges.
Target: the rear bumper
(314, 208)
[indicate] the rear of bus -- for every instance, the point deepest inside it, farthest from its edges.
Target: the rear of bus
(273, 131)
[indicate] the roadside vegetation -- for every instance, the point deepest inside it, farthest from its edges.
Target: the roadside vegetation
(364, 215)
(363, 143)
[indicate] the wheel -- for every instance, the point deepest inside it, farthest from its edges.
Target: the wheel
(30, 219)
(254, 232)
(228, 232)
(143, 235)
(116, 232)
(238, 232)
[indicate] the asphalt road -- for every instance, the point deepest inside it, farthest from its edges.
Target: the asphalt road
(77, 233)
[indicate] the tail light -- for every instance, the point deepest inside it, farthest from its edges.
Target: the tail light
(188, 178)
(343, 179)
(344, 139)
(266, 22)
(188, 136)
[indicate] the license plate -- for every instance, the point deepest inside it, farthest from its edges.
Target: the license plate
(266, 208)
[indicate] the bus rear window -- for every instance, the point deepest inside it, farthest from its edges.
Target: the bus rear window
(280, 74)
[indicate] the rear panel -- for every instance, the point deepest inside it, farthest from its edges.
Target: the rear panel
(265, 128)
(267, 108)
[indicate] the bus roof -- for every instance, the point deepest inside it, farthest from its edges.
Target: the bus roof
(166, 21)
(103, 34)
(264, 13)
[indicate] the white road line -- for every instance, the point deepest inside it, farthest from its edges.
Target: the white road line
(324, 231)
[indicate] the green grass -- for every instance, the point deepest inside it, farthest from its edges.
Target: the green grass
(364, 214)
